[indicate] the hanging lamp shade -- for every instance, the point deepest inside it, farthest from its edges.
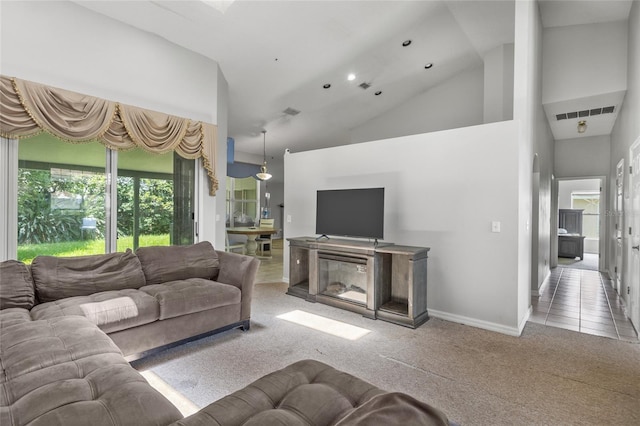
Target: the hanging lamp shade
(264, 174)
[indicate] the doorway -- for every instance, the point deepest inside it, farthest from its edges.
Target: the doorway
(579, 295)
(580, 239)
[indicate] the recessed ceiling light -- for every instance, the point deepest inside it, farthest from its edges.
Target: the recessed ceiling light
(406, 43)
(351, 77)
(378, 93)
(326, 86)
(427, 66)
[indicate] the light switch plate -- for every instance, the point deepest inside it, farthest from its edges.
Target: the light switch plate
(495, 226)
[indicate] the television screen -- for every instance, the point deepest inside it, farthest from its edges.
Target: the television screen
(351, 212)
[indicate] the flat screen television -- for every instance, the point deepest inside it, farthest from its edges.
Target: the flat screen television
(351, 213)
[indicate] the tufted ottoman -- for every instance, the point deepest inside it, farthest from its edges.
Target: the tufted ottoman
(312, 393)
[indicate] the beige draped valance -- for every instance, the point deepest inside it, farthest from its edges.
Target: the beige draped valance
(28, 108)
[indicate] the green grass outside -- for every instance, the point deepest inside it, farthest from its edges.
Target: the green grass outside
(27, 252)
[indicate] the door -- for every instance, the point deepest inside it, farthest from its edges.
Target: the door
(633, 289)
(618, 226)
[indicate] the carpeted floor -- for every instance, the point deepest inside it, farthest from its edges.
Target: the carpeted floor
(478, 377)
(590, 262)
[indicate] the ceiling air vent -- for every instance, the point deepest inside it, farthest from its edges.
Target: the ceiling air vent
(585, 113)
(364, 86)
(291, 111)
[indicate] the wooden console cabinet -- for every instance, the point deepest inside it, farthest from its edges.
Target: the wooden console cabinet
(383, 281)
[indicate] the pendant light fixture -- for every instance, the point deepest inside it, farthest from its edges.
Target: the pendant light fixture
(582, 126)
(264, 175)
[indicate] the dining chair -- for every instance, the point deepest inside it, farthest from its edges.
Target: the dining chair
(231, 247)
(266, 239)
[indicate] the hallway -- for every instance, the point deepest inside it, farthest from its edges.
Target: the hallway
(583, 301)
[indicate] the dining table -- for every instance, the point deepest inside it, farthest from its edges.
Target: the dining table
(252, 232)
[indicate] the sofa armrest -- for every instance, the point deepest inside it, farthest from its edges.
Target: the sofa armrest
(240, 271)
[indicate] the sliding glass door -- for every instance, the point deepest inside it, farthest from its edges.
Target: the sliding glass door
(62, 198)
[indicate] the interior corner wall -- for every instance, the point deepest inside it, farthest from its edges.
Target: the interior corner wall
(498, 84)
(527, 107)
(627, 127)
(443, 190)
(65, 45)
(212, 227)
(456, 102)
(583, 157)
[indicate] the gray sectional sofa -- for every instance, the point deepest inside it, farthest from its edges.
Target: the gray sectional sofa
(66, 325)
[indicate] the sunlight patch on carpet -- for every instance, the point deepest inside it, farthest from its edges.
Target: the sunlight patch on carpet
(182, 403)
(326, 325)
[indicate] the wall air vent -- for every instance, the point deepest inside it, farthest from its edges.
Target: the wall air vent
(585, 113)
(364, 86)
(291, 111)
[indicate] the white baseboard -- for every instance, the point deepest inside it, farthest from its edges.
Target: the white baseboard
(540, 289)
(486, 325)
(523, 323)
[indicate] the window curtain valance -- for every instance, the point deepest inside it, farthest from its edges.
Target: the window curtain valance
(28, 108)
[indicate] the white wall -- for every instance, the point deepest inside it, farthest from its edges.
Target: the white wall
(457, 102)
(543, 216)
(566, 187)
(213, 228)
(533, 139)
(627, 127)
(583, 157)
(584, 60)
(498, 84)
(65, 45)
(442, 190)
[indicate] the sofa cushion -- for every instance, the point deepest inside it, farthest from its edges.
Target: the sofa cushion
(172, 263)
(34, 345)
(13, 316)
(109, 310)
(184, 297)
(65, 371)
(60, 277)
(16, 286)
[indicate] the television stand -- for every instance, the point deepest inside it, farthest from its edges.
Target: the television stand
(378, 280)
(322, 236)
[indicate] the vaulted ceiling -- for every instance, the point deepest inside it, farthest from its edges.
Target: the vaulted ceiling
(277, 55)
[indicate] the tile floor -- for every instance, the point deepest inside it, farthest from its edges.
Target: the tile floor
(583, 301)
(574, 299)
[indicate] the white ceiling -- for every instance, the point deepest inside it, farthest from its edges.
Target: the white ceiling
(556, 13)
(279, 54)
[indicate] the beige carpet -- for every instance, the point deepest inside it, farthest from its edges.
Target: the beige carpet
(477, 377)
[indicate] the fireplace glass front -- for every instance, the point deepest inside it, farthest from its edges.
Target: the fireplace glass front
(343, 277)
